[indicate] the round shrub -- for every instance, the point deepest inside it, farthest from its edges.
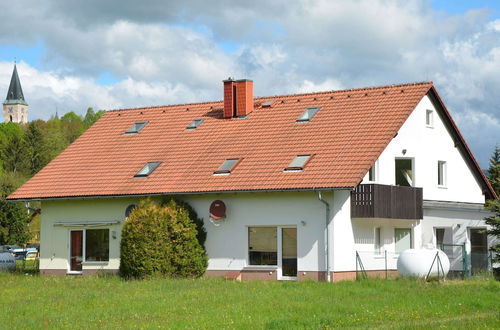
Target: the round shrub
(161, 240)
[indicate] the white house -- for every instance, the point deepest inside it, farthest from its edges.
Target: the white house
(309, 181)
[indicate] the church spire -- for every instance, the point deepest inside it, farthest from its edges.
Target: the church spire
(15, 108)
(15, 93)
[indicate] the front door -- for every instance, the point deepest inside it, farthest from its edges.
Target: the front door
(76, 250)
(478, 250)
(288, 253)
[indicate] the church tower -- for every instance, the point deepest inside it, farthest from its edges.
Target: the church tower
(15, 108)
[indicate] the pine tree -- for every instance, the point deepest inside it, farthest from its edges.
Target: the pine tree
(36, 151)
(494, 205)
(14, 155)
(494, 169)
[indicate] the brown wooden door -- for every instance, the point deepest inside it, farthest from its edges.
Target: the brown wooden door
(478, 250)
(76, 255)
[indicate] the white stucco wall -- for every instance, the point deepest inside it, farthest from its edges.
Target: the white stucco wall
(55, 240)
(457, 223)
(227, 244)
(427, 146)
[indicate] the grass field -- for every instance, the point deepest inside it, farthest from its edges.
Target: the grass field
(109, 302)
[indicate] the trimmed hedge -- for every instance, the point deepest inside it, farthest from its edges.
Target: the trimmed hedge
(161, 240)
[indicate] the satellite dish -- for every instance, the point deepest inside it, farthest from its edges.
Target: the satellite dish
(217, 210)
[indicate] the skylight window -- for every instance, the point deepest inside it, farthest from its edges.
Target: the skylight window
(147, 169)
(195, 123)
(227, 166)
(308, 114)
(136, 127)
(298, 163)
(267, 104)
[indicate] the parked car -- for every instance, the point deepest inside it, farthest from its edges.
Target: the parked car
(20, 254)
(31, 255)
(8, 248)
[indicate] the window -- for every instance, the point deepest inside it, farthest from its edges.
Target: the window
(402, 239)
(404, 172)
(148, 169)
(195, 123)
(441, 173)
(378, 241)
(262, 246)
(372, 176)
(267, 104)
(429, 120)
(298, 163)
(97, 245)
(439, 237)
(136, 127)
(308, 114)
(274, 246)
(227, 166)
(129, 209)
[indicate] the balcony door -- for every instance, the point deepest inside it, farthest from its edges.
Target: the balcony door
(404, 174)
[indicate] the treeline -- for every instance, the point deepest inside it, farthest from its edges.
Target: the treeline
(24, 150)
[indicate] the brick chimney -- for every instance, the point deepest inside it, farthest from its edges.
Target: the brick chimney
(238, 97)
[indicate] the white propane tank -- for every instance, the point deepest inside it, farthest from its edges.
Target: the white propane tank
(418, 262)
(7, 262)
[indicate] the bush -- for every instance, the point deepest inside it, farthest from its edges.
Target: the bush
(161, 240)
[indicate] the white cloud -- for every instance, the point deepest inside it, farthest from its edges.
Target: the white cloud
(171, 52)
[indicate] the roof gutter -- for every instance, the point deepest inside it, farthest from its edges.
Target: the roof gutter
(327, 234)
(15, 200)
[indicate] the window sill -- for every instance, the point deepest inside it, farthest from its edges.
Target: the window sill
(263, 267)
(429, 126)
(89, 263)
(442, 187)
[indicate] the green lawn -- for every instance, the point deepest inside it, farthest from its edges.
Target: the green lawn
(94, 302)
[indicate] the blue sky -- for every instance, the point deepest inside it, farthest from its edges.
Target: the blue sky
(116, 54)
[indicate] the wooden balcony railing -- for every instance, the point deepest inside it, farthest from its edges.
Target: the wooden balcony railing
(384, 201)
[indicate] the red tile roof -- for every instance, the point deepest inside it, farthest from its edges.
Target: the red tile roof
(345, 137)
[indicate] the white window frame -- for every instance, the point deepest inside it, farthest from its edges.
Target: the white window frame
(411, 238)
(413, 171)
(429, 118)
(374, 170)
(442, 173)
(279, 240)
(84, 242)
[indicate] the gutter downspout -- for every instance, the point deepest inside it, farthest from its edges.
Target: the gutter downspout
(327, 249)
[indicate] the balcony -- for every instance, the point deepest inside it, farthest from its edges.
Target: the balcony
(383, 201)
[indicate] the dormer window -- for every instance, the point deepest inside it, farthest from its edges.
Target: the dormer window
(195, 123)
(136, 127)
(228, 166)
(298, 163)
(147, 169)
(308, 114)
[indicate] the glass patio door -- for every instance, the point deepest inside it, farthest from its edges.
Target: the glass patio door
(76, 250)
(288, 253)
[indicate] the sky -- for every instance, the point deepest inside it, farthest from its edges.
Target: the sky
(115, 54)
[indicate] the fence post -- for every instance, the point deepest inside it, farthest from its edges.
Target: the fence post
(385, 258)
(356, 265)
(464, 262)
